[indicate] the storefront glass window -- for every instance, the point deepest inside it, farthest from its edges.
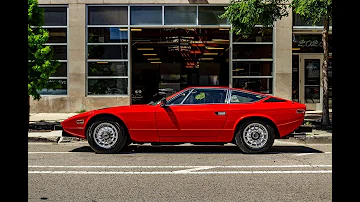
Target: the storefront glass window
(299, 21)
(55, 22)
(252, 67)
(256, 36)
(330, 82)
(261, 85)
(55, 16)
(209, 15)
(146, 15)
(105, 86)
(107, 35)
(180, 15)
(108, 50)
(61, 90)
(309, 43)
(252, 51)
(108, 15)
(108, 68)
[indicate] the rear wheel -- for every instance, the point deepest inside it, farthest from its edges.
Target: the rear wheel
(255, 136)
(106, 136)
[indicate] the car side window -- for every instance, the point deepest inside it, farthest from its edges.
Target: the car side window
(206, 96)
(243, 97)
(179, 98)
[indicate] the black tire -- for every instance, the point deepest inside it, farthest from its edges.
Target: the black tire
(97, 139)
(264, 136)
(128, 142)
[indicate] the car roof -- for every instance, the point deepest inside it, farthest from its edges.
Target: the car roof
(227, 87)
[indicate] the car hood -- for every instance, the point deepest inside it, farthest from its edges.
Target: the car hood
(126, 108)
(116, 110)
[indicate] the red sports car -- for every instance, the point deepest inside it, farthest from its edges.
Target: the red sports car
(197, 115)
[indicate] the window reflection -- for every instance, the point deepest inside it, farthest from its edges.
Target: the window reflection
(206, 96)
(108, 86)
(108, 52)
(55, 16)
(255, 36)
(59, 52)
(107, 35)
(252, 68)
(57, 35)
(252, 51)
(298, 20)
(61, 70)
(149, 15)
(261, 85)
(62, 90)
(312, 94)
(108, 68)
(176, 15)
(209, 15)
(108, 15)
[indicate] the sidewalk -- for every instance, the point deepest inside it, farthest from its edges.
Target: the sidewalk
(315, 137)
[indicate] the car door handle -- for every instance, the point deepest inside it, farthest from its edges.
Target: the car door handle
(220, 113)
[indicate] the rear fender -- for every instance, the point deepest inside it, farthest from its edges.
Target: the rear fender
(255, 116)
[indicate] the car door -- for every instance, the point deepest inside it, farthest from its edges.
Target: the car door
(167, 123)
(199, 117)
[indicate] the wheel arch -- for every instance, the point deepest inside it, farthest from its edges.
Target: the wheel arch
(267, 120)
(107, 115)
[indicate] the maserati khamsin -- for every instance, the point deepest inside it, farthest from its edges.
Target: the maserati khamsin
(196, 115)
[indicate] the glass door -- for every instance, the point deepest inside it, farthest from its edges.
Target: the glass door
(310, 81)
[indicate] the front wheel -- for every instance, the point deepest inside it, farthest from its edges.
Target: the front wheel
(255, 136)
(106, 136)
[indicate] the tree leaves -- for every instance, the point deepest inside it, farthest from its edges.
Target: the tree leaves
(313, 11)
(243, 15)
(40, 63)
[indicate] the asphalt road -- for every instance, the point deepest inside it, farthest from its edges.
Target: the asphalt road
(73, 172)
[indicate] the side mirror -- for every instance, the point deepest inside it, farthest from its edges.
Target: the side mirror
(163, 102)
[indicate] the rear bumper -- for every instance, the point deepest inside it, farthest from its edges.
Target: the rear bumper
(300, 132)
(304, 129)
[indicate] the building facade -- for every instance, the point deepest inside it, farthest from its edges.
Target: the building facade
(122, 52)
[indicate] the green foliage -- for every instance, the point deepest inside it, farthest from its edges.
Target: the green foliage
(308, 123)
(313, 11)
(40, 63)
(243, 15)
(81, 111)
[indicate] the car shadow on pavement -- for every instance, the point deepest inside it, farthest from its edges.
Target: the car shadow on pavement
(133, 149)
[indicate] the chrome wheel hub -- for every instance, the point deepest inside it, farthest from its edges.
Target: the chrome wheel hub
(255, 135)
(105, 135)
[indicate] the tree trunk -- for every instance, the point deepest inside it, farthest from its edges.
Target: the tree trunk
(28, 111)
(325, 119)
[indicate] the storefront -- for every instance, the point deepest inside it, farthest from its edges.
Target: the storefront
(121, 54)
(307, 60)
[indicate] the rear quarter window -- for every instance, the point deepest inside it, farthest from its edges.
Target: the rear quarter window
(244, 97)
(274, 100)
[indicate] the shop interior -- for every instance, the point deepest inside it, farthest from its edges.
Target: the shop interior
(166, 60)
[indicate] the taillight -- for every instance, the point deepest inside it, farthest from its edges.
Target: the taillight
(300, 111)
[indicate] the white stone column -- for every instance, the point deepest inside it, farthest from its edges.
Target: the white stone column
(283, 57)
(76, 56)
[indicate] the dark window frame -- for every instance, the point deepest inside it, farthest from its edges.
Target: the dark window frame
(247, 93)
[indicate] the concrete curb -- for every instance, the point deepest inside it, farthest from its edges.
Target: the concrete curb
(312, 139)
